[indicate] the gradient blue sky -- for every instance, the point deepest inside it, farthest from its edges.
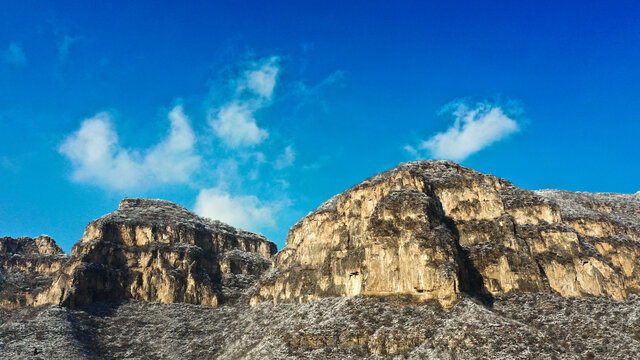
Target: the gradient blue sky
(276, 106)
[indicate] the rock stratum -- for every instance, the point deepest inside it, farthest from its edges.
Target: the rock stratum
(427, 260)
(433, 230)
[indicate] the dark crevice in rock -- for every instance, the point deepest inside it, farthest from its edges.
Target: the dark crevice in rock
(471, 280)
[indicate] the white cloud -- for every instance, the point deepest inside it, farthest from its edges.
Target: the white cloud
(14, 55)
(261, 78)
(225, 165)
(234, 122)
(174, 160)
(285, 159)
(236, 125)
(475, 126)
(244, 211)
(97, 156)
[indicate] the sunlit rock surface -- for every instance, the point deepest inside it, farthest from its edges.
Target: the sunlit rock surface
(155, 250)
(26, 268)
(431, 230)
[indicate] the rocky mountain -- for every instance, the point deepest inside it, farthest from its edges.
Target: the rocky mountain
(434, 230)
(27, 266)
(426, 260)
(155, 250)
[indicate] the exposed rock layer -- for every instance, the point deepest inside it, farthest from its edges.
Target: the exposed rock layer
(155, 250)
(433, 229)
(26, 268)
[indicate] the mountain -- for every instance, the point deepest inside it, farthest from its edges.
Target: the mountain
(158, 251)
(427, 260)
(27, 267)
(434, 230)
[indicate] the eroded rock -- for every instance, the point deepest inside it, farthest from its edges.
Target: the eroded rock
(431, 230)
(155, 250)
(26, 268)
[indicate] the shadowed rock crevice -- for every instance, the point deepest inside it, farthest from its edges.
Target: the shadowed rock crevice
(472, 281)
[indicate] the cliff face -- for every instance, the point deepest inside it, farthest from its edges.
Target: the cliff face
(155, 250)
(26, 268)
(431, 230)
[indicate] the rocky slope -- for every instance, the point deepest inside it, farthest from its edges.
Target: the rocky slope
(526, 326)
(432, 230)
(155, 250)
(27, 266)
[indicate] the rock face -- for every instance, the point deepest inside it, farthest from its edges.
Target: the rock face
(155, 250)
(432, 230)
(26, 268)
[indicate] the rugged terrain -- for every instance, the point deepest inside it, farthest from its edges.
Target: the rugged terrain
(426, 260)
(155, 250)
(528, 326)
(433, 230)
(27, 267)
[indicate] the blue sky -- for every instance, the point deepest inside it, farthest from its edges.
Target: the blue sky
(256, 112)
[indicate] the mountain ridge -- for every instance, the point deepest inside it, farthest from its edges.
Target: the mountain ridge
(429, 259)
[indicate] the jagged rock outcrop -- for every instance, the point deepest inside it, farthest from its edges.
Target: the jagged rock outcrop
(26, 268)
(431, 230)
(155, 250)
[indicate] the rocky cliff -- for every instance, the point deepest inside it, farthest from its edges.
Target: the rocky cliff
(434, 230)
(155, 250)
(26, 268)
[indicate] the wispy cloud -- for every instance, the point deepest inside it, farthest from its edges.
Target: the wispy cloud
(97, 156)
(65, 45)
(234, 122)
(315, 93)
(236, 173)
(261, 78)
(6, 163)
(285, 159)
(14, 55)
(475, 126)
(244, 211)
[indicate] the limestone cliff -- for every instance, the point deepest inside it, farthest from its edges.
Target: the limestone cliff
(26, 268)
(155, 250)
(432, 230)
